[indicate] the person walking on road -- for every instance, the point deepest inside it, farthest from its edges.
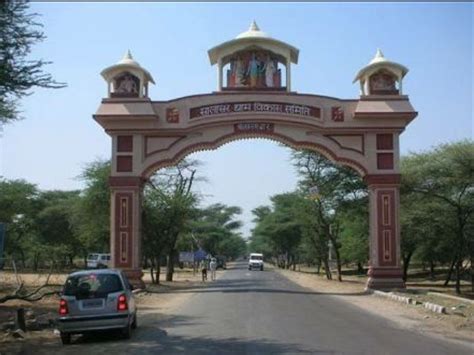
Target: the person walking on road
(213, 267)
(204, 271)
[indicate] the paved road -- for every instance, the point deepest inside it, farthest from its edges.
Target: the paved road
(263, 313)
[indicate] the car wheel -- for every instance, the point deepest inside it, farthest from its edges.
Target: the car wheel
(134, 323)
(127, 331)
(65, 338)
(261, 268)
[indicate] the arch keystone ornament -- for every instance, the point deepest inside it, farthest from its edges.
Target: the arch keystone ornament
(255, 101)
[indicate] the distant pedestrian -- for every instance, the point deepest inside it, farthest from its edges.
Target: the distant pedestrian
(213, 267)
(204, 271)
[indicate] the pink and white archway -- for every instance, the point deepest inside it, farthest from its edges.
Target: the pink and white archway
(361, 133)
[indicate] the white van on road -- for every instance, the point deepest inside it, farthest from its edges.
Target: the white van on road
(256, 261)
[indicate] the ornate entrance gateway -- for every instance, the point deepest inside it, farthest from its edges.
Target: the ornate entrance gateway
(254, 100)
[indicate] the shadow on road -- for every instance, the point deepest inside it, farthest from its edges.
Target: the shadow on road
(248, 286)
(151, 339)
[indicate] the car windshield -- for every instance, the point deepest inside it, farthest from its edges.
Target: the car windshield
(256, 257)
(92, 285)
(92, 257)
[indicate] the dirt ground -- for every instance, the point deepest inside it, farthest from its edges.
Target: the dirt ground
(416, 318)
(162, 299)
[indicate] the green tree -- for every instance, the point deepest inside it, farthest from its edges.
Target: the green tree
(56, 235)
(354, 222)
(338, 187)
(175, 203)
(18, 207)
(157, 223)
(216, 229)
(279, 229)
(91, 212)
(19, 31)
(446, 175)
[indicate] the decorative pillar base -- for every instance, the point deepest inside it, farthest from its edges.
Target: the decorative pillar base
(385, 278)
(125, 230)
(135, 278)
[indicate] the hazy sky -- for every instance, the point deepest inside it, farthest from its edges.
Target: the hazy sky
(59, 136)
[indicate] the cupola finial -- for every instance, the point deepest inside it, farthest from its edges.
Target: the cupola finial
(128, 55)
(254, 26)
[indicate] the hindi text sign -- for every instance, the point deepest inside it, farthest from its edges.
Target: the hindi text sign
(266, 107)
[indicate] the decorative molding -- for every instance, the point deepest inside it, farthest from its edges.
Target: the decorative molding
(385, 161)
(384, 141)
(123, 231)
(404, 115)
(382, 179)
(386, 227)
(337, 114)
(146, 138)
(126, 181)
(202, 146)
(333, 137)
(125, 144)
(172, 115)
(124, 163)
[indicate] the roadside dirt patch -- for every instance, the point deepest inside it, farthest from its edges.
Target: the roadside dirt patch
(416, 318)
(156, 300)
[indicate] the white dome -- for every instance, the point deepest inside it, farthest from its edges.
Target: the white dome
(128, 59)
(379, 57)
(253, 32)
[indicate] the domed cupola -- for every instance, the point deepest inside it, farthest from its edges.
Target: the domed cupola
(254, 61)
(381, 76)
(127, 79)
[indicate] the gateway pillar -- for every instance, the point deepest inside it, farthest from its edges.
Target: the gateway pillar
(385, 270)
(125, 226)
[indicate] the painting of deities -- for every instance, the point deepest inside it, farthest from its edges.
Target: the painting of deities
(383, 83)
(254, 70)
(126, 85)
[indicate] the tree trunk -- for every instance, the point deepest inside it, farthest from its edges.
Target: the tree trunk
(152, 269)
(472, 273)
(450, 273)
(326, 268)
(23, 261)
(360, 268)
(432, 270)
(85, 261)
(406, 264)
(318, 268)
(170, 266)
(338, 259)
(458, 276)
(158, 269)
(35, 261)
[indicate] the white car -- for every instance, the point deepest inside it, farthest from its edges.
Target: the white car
(94, 300)
(256, 261)
(98, 261)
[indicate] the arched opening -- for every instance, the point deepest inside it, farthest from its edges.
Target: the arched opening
(259, 150)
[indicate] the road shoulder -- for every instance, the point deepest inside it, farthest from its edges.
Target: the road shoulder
(413, 318)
